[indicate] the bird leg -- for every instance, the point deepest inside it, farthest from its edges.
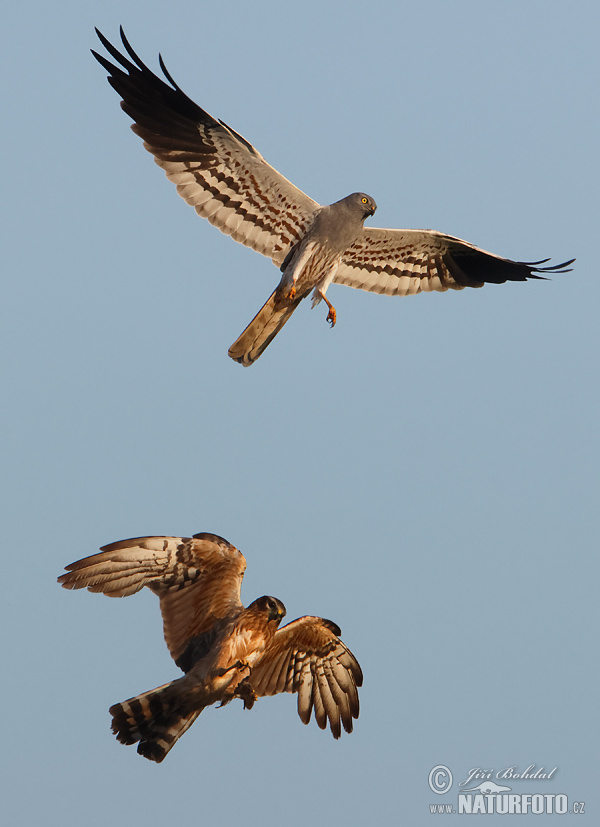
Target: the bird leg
(292, 294)
(332, 315)
(233, 688)
(239, 664)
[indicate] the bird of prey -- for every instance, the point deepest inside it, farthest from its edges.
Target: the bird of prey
(226, 651)
(226, 180)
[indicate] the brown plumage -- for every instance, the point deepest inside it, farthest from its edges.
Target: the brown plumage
(226, 651)
(263, 328)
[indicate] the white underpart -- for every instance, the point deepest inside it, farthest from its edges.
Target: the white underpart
(292, 273)
(321, 288)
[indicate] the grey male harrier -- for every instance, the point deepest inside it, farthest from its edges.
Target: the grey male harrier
(226, 180)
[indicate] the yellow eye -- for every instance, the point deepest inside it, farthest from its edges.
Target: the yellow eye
(364, 200)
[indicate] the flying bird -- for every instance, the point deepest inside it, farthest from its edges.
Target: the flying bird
(227, 181)
(226, 651)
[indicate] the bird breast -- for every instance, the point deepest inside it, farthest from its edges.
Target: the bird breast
(312, 265)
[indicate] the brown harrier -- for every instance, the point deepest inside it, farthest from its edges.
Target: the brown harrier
(227, 651)
(227, 181)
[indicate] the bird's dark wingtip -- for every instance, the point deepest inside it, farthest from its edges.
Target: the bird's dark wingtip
(563, 267)
(534, 267)
(125, 42)
(167, 74)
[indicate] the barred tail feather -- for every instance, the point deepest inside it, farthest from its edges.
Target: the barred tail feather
(263, 328)
(155, 719)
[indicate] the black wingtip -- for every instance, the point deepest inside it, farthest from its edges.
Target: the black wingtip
(563, 267)
(127, 45)
(137, 70)
(167, 74)
(114, 53)
(104, 40)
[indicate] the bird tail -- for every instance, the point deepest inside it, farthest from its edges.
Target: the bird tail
(263, 328)
(155, 719)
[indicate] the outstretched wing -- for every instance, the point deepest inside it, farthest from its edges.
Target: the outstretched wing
(216, 170)
(308, 657)
(197, 579)
(405, 262)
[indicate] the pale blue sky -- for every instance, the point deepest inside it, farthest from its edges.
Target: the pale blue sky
(426, 474)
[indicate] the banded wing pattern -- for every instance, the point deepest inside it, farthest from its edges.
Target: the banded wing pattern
(216, 170)
(407, 262)
(308, 657)
(198, 580)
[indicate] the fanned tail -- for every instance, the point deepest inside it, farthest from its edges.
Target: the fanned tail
(263, 328)
(153, 718)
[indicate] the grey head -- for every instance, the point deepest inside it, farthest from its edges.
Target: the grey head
(339, 224)
(358, 204)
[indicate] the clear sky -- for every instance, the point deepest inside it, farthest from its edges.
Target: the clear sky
(425, 475)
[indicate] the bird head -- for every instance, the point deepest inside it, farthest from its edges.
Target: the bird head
(357, 205)
(365, 203)
(273, 608)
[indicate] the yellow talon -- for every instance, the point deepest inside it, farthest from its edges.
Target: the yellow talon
(332, 315)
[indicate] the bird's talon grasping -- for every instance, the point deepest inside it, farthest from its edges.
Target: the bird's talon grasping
(249, 698)
(246, 693)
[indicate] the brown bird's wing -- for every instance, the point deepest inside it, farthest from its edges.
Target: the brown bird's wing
(308, 657)
(216, 171)
(198, 580)
(405, 262)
